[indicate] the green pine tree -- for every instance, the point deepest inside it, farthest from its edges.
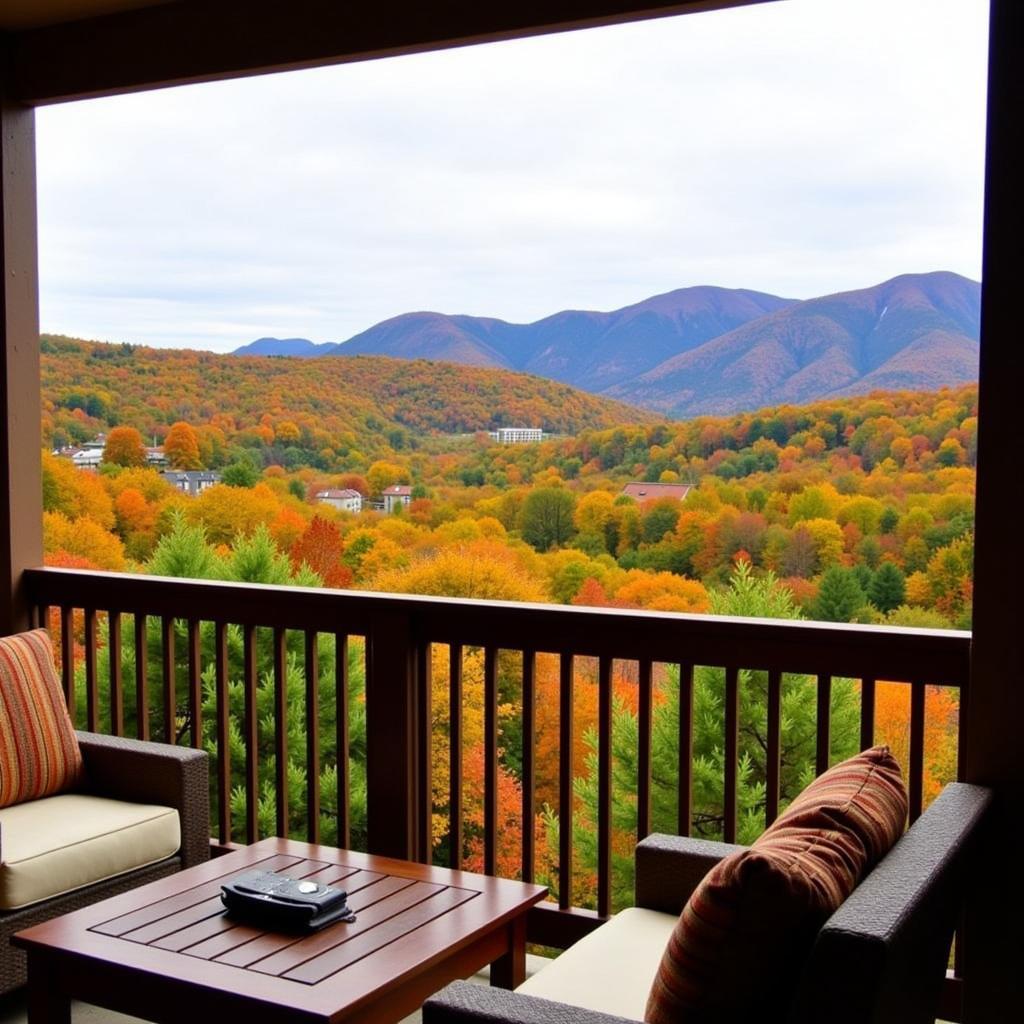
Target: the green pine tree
(839, 596)
(888, 588)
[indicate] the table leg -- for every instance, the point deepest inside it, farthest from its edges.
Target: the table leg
(46, 1004)
(509, 970)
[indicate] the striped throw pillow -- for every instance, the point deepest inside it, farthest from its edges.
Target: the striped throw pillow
(737, 950)
(39, 752)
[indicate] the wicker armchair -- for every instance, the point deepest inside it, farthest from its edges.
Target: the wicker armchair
(879, 959)
(127, 770)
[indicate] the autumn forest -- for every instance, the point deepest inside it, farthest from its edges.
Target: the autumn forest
(848, 510)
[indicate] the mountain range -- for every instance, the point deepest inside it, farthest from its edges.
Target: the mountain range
(707, 349)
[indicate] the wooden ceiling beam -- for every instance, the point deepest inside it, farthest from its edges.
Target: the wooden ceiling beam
(205, 40)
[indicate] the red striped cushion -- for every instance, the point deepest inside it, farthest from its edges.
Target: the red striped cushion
(39, 752)
(737, 949)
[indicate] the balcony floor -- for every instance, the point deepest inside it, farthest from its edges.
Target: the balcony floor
(13, 1008)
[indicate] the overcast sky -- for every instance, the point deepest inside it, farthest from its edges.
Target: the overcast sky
(798, 148)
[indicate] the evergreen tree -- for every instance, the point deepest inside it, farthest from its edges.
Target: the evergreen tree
(184, 552)
(888, 588)
(890, 517)
(839, 596)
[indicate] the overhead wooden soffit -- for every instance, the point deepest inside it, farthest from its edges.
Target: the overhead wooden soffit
(203, 40)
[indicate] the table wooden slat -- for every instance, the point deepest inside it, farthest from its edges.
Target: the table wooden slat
(188, 898)
(311, 946)
(270, 943)
(210, 907)
(184, 939)
(347, 953)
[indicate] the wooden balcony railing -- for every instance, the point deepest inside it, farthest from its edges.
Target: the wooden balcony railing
(397, 636)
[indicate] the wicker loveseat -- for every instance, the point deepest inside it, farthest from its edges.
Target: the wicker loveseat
(140, 812)
(879, 959)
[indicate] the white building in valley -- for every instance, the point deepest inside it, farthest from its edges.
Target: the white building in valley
(344, 499)
(395, 495)
(517, 435)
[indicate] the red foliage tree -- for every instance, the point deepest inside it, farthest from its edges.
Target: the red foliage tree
(320, 547)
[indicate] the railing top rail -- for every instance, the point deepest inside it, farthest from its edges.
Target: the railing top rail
(934, 656)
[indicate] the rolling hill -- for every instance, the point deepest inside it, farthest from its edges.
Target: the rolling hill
(916, 332)
(360, 400)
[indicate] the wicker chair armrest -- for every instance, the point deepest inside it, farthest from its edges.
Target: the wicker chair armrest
(669, 868)
(155, 773)
(464, 1003)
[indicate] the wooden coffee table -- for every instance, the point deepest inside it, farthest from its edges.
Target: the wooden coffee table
(167, 952)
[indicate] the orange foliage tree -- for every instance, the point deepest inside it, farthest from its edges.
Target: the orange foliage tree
(181, 446)
(124, 447)
(892, 726)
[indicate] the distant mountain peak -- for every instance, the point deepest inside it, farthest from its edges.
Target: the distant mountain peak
(707, 349)
(284, 347)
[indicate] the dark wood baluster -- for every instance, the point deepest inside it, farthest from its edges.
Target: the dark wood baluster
(773, 752)
(43, 616)
(341, 734)
(455, 754)
(195, 685)
(823, 739)
(961, 740)
(116, 674)
(867, 713)
(312, 672)
(565, 795)
(220, 661)
(250, 735)
(424, 743)
(604, 787)
(644, 722)
(67, 660)
(141, 677)
(490, 760)
(685, 816)
(92, 686)
(529, 752)
(732, 752)
(915, 788)
(170, 690)
(281, 730)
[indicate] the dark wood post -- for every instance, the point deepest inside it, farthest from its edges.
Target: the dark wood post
(21, 528)
(391, 738)
(995, 708)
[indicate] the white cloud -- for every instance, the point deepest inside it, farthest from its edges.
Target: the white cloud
(799, 148)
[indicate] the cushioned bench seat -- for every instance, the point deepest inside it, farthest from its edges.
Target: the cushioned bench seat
(60, 843)
(611, 969)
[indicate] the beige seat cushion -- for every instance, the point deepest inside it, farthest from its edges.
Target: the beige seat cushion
(52, 846)
(610, 970)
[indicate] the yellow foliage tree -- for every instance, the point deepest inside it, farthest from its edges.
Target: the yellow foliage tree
(382, 475)
(148, 482)
(828, 541)
(663, 592)
(84, 538)
(593, 512)
(227, 512)
(484, 569)
(75, 494)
